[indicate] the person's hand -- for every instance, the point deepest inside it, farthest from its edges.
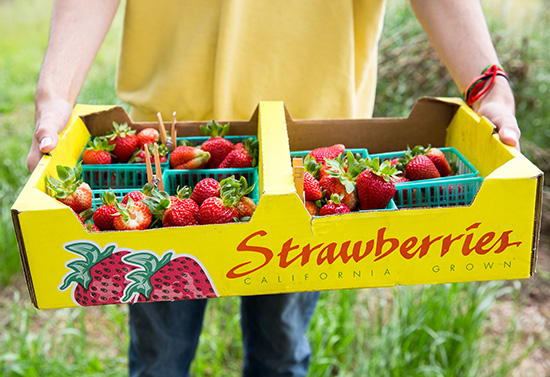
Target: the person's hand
(51, 118)
(497, 105)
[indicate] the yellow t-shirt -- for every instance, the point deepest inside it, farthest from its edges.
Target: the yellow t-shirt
(217, 59)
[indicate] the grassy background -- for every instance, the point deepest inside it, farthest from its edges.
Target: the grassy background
(377, 332)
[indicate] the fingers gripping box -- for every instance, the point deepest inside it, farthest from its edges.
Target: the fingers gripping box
(282, 248)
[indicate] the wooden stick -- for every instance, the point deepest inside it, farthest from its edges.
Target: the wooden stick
(162, 129)
(298, 173)
(158, 170)
(148, 164)
(174, 132)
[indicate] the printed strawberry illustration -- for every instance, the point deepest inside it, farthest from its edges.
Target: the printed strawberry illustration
(97, 152)
(217, 145)
(242, 157)
(104, 215)
(124, 140)
(320, 154)
(189, 157)
(148, 135)
(375, 186)
(166, 278)
(70, 189)
(205, 188)
(132, 216)
(98, 275)
(334, 206)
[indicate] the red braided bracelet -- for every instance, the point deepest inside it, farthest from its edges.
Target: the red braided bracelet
(479, 86)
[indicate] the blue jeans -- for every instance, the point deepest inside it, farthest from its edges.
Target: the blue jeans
(164, 335)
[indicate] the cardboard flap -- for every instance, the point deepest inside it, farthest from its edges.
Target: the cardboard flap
(377, 134)
(100, 122)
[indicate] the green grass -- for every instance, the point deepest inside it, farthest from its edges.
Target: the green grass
(441, 330)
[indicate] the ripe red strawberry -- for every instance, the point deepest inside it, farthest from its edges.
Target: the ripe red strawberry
(148, 135)
(180, 215)
(375, 187)
(166, 278)
(91, 227)
(98, 275)
(70, 189)
(334, 206)
(132, 216)
(340, 179)
(124, 140)
(189, 157)
(312, 208)
(138, 195)
(222, 209)
(320, 154)
(172, 210)
(103, 215)
(440, 161)
(139, 155)
(245, 207)
(245, 157)
(312, 188)
(421, 167)
(332, 185)
(204, 189)
(217, 145)
(214, 211)
(97, 152)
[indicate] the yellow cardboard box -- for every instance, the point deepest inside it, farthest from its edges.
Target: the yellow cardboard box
(283, 249)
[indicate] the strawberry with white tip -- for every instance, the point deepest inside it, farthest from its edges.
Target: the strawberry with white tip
(70, 189)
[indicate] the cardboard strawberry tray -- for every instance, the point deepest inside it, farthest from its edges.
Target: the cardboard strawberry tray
(493, 235)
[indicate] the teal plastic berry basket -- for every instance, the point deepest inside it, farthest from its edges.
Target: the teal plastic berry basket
(119, 193)
(356, 151)
(437, 193)
(463, 167)
(173, 178)
(117, 176)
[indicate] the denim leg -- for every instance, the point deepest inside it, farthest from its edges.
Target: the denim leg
(274, 334)
(164, 337)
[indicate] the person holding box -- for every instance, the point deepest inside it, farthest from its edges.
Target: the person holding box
(218, 59)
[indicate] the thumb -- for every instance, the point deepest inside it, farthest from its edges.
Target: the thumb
(50, 121)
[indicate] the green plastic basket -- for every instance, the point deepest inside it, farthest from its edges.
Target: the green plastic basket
(464, 167)
(173, 178)
(117, 176)
(119, 193)
(437, 193)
